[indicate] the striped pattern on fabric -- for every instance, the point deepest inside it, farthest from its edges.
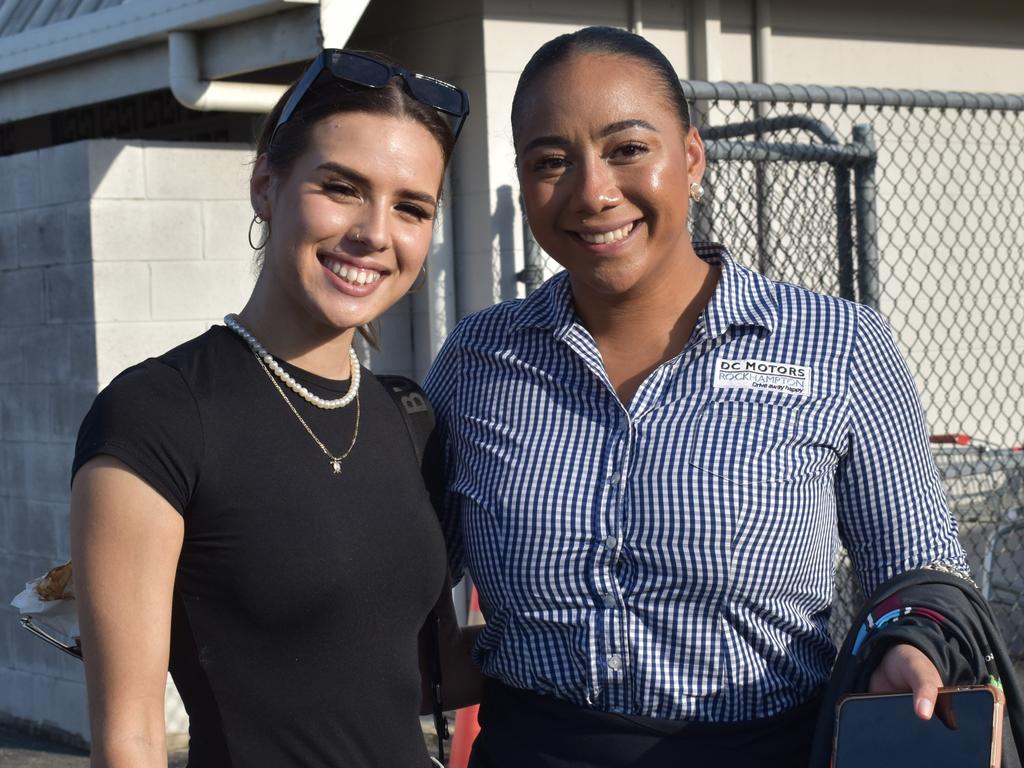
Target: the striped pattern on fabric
(676, 558)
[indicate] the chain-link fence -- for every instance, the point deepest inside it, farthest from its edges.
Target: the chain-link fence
(913, 203)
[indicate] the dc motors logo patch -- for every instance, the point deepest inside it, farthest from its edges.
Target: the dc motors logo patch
(763, 375)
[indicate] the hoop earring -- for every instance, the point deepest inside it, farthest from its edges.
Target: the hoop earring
(421, 280)
(257, 220)
(696, 191)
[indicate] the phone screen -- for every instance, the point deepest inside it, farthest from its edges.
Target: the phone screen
(884, 732)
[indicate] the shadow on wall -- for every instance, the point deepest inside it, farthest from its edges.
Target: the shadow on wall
(503, 226)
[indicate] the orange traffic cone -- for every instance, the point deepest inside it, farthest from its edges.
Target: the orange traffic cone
(466, 724)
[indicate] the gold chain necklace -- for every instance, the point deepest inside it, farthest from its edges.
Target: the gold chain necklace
(335, 460)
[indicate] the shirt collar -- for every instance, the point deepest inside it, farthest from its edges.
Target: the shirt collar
(550, 306)
(742, 298)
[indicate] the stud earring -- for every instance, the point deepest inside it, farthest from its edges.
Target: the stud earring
(696, 191)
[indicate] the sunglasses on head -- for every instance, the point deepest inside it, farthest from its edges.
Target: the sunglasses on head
(367, 72)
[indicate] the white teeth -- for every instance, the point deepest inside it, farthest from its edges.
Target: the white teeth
(607, 237)
(352, 274)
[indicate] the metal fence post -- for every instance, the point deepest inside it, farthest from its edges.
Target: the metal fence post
(703, 221)
(844, 234)
(765, 263)
(867, 218)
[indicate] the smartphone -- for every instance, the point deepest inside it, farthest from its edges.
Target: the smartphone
(882, 731)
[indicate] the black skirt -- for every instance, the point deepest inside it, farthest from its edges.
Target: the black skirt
(521, 728)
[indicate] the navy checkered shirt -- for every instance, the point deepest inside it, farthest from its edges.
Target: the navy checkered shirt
(675, 558)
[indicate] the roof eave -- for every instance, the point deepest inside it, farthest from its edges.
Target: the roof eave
(125, 26)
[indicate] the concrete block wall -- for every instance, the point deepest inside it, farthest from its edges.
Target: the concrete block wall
(110, 252)
(44, 298)
(169, 245)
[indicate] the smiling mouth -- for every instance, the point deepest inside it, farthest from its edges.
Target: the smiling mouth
(351, 274)
(603, 238)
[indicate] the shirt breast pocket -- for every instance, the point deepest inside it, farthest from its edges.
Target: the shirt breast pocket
(750, 443)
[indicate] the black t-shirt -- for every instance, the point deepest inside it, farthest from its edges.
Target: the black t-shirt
(299, 592)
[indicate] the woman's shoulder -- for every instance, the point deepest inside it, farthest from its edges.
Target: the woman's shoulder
(834, 326)
(487, 324)
(184, 364)
(799, 296)
(479, 335)
(165, 387)
(148, 418)
(544, 307)
(801, 304)
(203, 351)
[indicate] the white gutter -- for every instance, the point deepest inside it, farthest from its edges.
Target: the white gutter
(204, 95)
(762, 41)
(337, 20)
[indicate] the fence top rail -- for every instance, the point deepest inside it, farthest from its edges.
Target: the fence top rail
(868, 97)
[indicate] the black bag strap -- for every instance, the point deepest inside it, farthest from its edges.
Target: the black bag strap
(418, 416)
(417, 413)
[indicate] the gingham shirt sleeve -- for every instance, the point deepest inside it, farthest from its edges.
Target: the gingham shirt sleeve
(893, 514)
(441, 385)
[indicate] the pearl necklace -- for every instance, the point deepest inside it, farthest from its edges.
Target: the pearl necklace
(231, 321)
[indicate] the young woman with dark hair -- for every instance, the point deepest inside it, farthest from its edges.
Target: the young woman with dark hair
(247, 508)
(652, 459)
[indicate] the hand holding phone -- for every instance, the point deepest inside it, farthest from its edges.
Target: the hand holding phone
(883, 731)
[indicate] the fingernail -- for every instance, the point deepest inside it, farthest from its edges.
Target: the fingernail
(924, 708)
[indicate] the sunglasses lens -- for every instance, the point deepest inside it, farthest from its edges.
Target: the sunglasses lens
(358, 69)
(438, 95)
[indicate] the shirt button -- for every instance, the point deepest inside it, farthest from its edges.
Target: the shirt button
(611, 542)
(609, 599)
(615, 662)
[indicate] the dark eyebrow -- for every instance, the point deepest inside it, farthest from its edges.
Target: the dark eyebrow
(359, 178)
(546, 141)
(608, 130)
(625, 125)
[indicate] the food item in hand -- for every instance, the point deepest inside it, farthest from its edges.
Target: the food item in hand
(56, 584)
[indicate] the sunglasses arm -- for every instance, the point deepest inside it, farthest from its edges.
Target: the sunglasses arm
(311, 74)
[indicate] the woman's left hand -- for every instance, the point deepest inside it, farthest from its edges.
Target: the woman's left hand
(905, 668)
